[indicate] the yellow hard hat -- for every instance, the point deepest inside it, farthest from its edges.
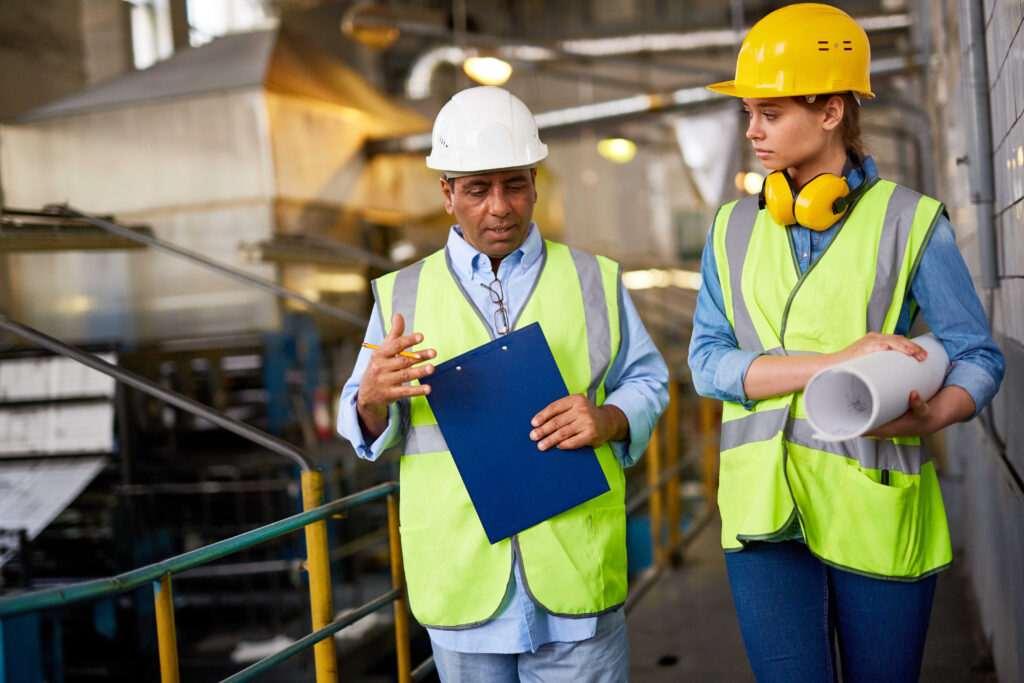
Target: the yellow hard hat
(802, 49)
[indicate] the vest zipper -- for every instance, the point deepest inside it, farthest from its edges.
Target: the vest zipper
(885, 477)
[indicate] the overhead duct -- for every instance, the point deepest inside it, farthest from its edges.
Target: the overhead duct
(613, 110)
(422, 71)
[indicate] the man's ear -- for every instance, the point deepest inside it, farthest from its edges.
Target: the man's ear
(448, 191)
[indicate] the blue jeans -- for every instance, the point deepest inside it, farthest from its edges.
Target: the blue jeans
(604, 658)
(794, 610)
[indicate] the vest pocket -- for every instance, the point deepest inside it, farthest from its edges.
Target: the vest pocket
(454, 576)
(576, 562)
(876, 528)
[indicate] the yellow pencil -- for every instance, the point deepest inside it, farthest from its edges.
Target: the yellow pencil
(407, 354)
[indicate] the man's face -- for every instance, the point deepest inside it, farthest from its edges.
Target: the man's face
(494, 209)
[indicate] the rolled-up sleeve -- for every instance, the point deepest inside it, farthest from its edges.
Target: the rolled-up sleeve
(943, 288)
(717, 364)
(636, 383)
(348, 416)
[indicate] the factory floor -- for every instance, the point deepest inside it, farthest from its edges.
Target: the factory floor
(685, 629)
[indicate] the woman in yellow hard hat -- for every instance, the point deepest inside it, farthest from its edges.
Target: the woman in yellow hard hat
(829, 544)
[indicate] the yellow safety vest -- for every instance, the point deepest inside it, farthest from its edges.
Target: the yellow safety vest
(573, 564)
(772, 466)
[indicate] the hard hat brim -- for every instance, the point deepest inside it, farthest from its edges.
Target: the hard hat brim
(730, 88)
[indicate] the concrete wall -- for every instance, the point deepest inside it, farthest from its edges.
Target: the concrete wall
(52, 49)
(986, 476)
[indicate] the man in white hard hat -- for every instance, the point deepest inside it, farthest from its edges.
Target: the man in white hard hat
(545, 605)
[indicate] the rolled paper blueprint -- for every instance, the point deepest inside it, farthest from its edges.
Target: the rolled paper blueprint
(850, 399)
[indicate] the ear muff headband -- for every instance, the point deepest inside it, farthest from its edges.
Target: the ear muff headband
(818, 204)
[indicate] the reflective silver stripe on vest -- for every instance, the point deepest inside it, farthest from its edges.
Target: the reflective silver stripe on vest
(875, 454)
(595, 310)
(778, 350)
(737, 240)
(872, 454)
(892, 246)
(376, 297)
(424, 439)
(754, 427)
(403, 295)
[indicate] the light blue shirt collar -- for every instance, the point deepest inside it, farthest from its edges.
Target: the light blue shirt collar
(470, 263)
(856, 176)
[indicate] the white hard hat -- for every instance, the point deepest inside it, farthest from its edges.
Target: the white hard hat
(484, 129)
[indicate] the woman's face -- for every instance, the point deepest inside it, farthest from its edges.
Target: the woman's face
(787, 135)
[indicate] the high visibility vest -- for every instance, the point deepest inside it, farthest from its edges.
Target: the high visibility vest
(772, 466)
(573, 564)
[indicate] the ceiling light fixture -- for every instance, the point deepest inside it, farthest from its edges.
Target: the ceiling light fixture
(619, 150)
(487, 70)
(371, 25)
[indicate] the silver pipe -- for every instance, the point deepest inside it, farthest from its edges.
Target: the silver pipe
(234, 273)
(609, 110)
(268, 441)
(608, 49)
(979, 135)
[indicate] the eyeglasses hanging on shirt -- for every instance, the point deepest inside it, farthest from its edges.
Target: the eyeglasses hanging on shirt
(498, 297)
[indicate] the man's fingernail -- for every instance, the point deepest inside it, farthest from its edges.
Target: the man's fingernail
(533, 435)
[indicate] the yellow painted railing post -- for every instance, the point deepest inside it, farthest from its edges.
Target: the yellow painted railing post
(321, 602)
(654, 503)
(402, 603)
(671, 461)
(167, 639)
(707, 431)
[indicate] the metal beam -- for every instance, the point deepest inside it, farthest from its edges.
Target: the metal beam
(210, 264)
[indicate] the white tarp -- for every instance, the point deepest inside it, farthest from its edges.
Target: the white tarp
(709, 142)
(33, 493)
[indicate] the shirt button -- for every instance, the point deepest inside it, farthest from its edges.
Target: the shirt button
(805, 254)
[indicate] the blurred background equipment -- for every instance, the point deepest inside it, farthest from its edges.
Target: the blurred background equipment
(257, 163)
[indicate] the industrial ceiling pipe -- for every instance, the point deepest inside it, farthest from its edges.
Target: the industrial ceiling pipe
(612, 48)
(974, 70)
(615, 110)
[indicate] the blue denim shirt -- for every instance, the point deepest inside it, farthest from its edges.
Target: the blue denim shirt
(636, 383)
(942, 287)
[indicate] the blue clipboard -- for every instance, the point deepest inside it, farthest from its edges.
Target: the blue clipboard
(484, 400)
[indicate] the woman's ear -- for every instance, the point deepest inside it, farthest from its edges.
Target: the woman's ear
(832, 112)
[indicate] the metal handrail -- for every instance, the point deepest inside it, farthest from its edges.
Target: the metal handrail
(150, 387)
(122, 583)
(160, 573)
(206, 262)
(665, 480)
(638, 499)
(318, 560)
(313, 638)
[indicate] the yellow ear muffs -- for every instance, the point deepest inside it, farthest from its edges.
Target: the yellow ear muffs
(777, 197)
(818, 204)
